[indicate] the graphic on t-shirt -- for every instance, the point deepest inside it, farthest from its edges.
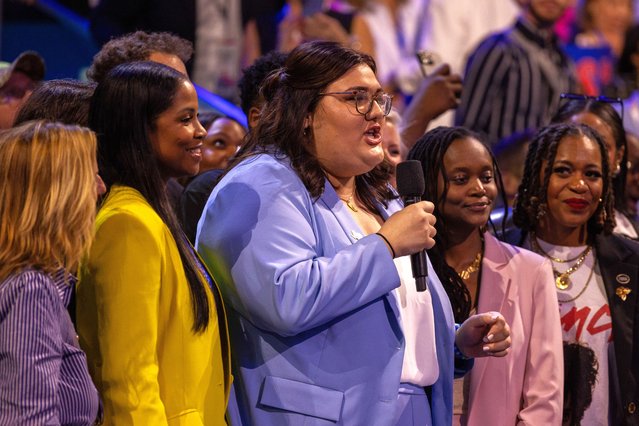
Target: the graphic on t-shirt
(580, 376)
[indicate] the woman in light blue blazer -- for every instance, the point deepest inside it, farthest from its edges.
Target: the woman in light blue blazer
(326, 326)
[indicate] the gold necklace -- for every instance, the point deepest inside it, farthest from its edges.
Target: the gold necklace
(464, 274)
(539, 250)
(592, 271)
(562, 279)
(349, 203)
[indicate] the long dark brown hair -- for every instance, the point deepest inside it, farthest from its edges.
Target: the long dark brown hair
(292, 93)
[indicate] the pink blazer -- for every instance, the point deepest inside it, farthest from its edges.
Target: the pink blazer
(526, 386)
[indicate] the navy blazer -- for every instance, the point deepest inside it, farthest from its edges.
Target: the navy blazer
(315, 330)
(618, 259)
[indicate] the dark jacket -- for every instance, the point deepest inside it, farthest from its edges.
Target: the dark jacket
(618, 260)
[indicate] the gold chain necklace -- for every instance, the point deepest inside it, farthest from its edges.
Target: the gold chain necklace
(562, 279)
(464, 274)
(539, 250)
(349, 203)
(592, 271)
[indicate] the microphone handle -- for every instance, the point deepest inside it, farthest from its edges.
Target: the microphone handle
(419, 265)
(418, 261)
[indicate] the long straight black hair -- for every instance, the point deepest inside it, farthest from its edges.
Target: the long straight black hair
(124, 110)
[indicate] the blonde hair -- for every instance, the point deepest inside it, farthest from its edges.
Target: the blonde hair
(47, 196)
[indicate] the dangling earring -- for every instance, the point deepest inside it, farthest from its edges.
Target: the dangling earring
(541, 211)
(617, 170)
(602, 216)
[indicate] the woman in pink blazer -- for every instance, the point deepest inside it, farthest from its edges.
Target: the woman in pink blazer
(482, 274)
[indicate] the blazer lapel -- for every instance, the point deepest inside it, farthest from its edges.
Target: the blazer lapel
(620, 280)
(350, 228)
(497, 289)
(330, 199)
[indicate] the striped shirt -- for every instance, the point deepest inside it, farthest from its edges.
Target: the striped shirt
(512, 83)
(43, 373)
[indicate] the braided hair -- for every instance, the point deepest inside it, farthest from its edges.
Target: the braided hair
(606, 113)
(430, 150)
(531, 200)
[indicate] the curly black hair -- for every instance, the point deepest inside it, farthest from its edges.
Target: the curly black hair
(253, 77)
(613, 120)
(137, 46)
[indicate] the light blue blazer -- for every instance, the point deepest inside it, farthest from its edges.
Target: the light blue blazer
(315, 331)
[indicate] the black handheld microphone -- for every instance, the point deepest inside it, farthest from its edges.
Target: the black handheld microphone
(411, 186)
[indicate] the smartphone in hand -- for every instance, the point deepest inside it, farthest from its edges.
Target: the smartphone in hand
(427, 61)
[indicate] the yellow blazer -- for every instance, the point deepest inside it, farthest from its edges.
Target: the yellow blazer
(134, 320)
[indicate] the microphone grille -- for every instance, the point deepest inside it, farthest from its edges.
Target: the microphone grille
(410, 179)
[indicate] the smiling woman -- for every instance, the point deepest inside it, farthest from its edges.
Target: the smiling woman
(482, 274)
(149, 314)
(565, 210)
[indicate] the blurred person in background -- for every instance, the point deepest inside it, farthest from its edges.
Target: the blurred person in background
(17, 81)
(223, 139)
(392, 143)
(64, 101)
(604, 23)
(514, 78)
(632, 178)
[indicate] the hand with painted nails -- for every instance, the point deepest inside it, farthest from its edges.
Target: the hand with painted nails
(485, 334)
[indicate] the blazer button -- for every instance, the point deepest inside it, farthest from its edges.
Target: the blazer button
(632, 407)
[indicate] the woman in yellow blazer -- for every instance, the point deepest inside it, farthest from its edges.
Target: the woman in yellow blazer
(149, 315)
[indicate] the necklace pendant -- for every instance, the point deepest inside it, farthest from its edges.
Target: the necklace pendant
(351, 206)
(562, 281)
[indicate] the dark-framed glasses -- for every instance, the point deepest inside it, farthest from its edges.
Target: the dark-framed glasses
(604, 99)
(364, 100)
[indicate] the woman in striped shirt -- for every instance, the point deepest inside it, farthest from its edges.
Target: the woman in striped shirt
(48, 191)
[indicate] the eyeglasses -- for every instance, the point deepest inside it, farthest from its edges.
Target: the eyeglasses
(364, 100)
(604, 99)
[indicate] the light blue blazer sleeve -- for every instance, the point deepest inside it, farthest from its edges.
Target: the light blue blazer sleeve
(289, 259)
(315, 329)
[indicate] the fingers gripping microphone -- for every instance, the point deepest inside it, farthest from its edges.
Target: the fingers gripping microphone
(410, 185)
